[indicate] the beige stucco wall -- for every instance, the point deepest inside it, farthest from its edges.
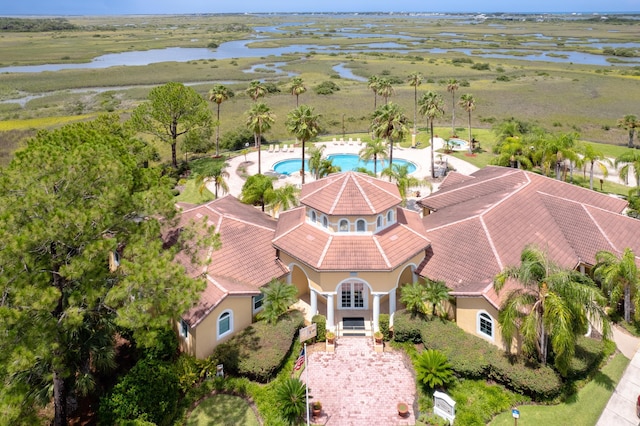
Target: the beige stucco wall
(203, 339)
(467, 310)
(371, 220)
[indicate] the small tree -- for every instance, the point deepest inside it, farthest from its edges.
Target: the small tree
(433, 369)
(278, 296)
(436, 292)
(291, 400)
(257, 190)
(468, 103)
(413, 296)
(620, 278)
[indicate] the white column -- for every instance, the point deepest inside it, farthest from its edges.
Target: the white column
(376, 312)
(330, 324)
(392, 301)
(313, 296)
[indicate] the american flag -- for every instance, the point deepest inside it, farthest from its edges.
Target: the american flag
(300, 360)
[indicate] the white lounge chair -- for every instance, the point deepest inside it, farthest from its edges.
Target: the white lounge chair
(291, 148)
(285, 147)
(270, 148)
(350, 141)
(276, 148)
(335, 142)
(341, 141)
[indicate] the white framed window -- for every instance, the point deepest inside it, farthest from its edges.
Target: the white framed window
(184, 329)
(390, 217)
(379, 222)
(258, 301)
(325, 221)
(343, 225)
(485, 325)
(313, 216)
(361, 225)
(353, 295)
(225, 323)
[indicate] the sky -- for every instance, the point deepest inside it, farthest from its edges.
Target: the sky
(118, 7)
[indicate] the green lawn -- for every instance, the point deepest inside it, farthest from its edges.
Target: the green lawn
(224, 410)
(191, 194)
(582, 409)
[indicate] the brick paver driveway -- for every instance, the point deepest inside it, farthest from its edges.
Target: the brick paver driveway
(358, 386)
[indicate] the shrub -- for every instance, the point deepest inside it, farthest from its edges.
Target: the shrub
(321, 327)
(261, 349)
(290, 399)
(383, 323)
(588, 355)
(432, 369)
(482, 66)
(148, 392)
(237, 138)
(406, 327)
(326, 88)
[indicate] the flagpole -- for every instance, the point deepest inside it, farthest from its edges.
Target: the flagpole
(306, 381)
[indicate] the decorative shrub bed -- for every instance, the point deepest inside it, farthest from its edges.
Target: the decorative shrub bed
(260, 350)
(472, 357)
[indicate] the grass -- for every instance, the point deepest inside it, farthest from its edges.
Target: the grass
(221, 409)
(583, 409)
(191, 194)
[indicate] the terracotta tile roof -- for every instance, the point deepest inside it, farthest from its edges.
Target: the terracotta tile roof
(246, 259)
(350, 194)
(481, 225)
(323, 250)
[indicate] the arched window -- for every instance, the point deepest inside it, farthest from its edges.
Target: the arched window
(325, 222)
(361, 225)
(390, 217)
(379, 222)
(485, 325)
(225, 323)
(343, 225)
(313, 216)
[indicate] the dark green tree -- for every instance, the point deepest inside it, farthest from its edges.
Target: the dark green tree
(297, 88)
(257, 190)
(304, 124)
(218, 94)
(259, 120)
(431, 106)
(373, 150)
(436, 293)
(171, 111)
(70, 201)
(414, 297)
(291, 400)
(278, 296)
(389, 123)
(620, 279)
(433, 369)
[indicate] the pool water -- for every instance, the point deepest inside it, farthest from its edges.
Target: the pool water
(346, 162)
(458, 144)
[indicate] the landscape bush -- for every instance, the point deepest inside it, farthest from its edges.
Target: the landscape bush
(260, 350)
(321, 327)
(406, 328)
(237, 139)
(383, 323)
(148, 392)
(326, 88)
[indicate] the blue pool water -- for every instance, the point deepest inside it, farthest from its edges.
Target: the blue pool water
(459, 144)
(346, 162)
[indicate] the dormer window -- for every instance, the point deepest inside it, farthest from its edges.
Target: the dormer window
(343, 225)
(325, 222)
(379, 222)
(361, 225)
(313, 217)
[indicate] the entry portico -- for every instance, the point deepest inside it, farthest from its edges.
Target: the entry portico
(350, 246)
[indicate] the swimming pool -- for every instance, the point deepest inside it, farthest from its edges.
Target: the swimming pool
(459, 144)
(346, 162)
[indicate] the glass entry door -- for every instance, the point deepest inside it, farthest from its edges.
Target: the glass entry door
(352, 295)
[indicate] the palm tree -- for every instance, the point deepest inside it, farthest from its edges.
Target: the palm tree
(436, 292)
(389, 123)
(629, 122)
(315, 159)
(327, 167)
(631, 161)
(594, 157)
(217, 173)
(431, 106)
(468, 103)
(551, 305)
(452, 86)
(259, 120)
(415, 79)
(513, 152)
(404, 181)
(283, 198)
(290, 395)
(433, 369)
(385, 89)
(304, 124)
(373, 150)
(256, 90)
(257, 190)
(620, 278)
(277, 297)
(297, 88)
(372, 84)
(218, 94)
(413, 296)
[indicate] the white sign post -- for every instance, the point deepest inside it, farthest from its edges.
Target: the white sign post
(444, 406)
(516, 415)
(309, 332)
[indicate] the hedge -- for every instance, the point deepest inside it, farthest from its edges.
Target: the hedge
(259, 351)
(321, 327)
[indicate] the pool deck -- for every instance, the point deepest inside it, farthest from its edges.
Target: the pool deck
(420, 157)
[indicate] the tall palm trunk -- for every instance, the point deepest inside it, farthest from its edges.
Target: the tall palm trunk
(433, 172)
(258, 143)
(59, 399)
(453, 113)
(390, 141)
(470, 150)
(218, 134)
(627, 303)
(302, 169)
(591, 176)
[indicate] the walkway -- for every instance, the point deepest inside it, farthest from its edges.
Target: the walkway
(358, 386)
(420, 157)
(621, 408)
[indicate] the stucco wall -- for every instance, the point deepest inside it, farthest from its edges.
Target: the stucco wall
(203, 339)
(467, 311)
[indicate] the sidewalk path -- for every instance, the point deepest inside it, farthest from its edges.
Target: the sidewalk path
(621, 408)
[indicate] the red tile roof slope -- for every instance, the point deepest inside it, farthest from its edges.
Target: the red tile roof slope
(350, 194)
(246, 259)
(481, 225)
